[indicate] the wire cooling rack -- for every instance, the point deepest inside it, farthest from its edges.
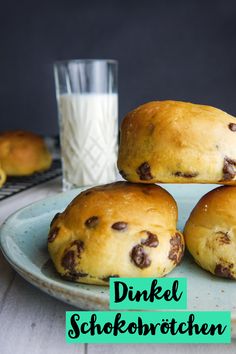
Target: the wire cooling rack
(16, 185)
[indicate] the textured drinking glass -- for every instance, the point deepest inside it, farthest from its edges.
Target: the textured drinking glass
(87, 100)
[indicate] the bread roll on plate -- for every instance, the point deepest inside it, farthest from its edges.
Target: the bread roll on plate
(116, 230)
(178, 142)
(210, 232)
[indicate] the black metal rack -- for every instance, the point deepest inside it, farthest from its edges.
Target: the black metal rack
(16, 185)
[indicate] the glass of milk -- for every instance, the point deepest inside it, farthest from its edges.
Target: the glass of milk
(87, 99)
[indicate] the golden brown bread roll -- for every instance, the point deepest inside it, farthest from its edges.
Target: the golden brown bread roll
(120, 229)
(2, 177)
(210, 232)
(23, 153)
(178, 142)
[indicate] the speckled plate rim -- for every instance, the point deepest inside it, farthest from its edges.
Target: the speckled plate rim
(51, 286)
(41, 281)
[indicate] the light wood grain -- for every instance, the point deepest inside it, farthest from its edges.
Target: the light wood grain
(162, 348)
(7, 276)
(31, 322)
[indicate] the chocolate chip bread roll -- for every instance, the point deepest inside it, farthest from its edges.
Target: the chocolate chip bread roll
(178, 142)
(2, 177)
(23, 153)
(210, 232)
(116, 230)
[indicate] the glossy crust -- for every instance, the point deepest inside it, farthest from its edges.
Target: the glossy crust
(120, 229)
(2, 177)
(210, 232)
(23, 153)
(178, 142)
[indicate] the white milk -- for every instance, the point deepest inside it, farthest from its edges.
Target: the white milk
(88, 129)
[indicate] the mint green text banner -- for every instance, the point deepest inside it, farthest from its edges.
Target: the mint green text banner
(148, 293)
(147, 327)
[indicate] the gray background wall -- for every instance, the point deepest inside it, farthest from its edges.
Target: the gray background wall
(167, 49)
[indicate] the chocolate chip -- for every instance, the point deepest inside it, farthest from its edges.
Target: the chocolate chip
(186, 174)
(79, 245)
(140, 257)
(68, 260)
(144, 172)
(79, 274)
(92, 222)
(54, 218)
(53, 234)
(151, 241)
(223, 237)
(176, 249)
(224, 271)
(232, 126)
(228, 169)
(120, 226)
(231, 161)
(73, 275)
(107, 278)
(123, 174)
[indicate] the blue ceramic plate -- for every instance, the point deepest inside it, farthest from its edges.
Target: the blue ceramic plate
(24, 244)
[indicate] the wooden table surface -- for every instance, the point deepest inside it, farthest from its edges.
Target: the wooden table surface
(32, 322)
